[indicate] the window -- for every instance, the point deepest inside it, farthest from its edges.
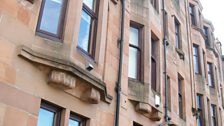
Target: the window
(51, 19)
(196, 59)
(205, 30)
(76, 120)
(210, 75)
(177, 34)
(136, 124)
(192, 14)
(134, 67)
(200, 110)
(213, 115)
(155, 4)
(154, 51)
(88, 26)
(180, 96)
(49, 115)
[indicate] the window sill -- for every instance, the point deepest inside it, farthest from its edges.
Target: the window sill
(49, 37)
(180, 53)
(86, 54)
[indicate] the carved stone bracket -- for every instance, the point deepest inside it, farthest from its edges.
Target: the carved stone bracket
(180, 53)
(143, 108)
(67, 73)
(155, 115)
(91, 95)
(61, 79)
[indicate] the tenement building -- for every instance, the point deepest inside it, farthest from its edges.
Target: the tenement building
(109, 63)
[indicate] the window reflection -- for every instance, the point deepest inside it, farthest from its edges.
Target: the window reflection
(90, 4)
(73, 123)
(134, 36)
(51, 16)
(132, 67)
(84, 32)
(88, 27)
(45, 118)
(134, 53)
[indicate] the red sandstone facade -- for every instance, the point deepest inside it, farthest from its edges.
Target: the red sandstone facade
(46, 71)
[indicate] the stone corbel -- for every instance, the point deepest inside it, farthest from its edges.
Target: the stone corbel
(61, 79)
(180, 53)
(156, 116)
(143, 108)
(91, 96)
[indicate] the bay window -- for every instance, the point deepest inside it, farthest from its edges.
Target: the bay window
(88, 27)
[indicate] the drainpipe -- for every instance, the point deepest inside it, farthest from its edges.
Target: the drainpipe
(165, 62)
(118, 83)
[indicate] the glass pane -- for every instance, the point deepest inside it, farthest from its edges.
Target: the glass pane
(84, 32)
(176, 28)
(196, 65)
(73, 123)
(195, 51)
(191, 9)
(133, 62)
(209, 80)
(199, 121)
(45, 118)
(51, 16)
(134, 36)
(177, 41)
(90, 4)
(199, 101)
(153, 74)
(208, 67)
